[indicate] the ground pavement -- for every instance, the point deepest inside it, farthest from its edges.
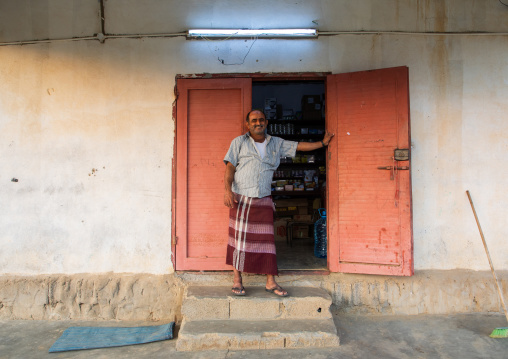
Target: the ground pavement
(362, 336)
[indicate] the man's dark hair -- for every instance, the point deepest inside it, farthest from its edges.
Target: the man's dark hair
(253, 110)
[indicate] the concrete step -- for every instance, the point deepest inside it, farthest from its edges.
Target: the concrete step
(218, 303)
(256, 334)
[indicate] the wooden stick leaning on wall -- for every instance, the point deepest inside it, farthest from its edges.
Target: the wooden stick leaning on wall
(488, 256)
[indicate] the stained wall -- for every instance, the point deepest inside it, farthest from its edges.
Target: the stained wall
(87, 128)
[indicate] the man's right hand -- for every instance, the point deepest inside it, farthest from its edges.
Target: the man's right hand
(229, 199)
(229, 177)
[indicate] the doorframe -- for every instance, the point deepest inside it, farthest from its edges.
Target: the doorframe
(260, 76)
(256, 77)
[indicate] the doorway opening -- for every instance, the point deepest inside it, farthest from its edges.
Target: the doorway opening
(295, 110)
(365, 185)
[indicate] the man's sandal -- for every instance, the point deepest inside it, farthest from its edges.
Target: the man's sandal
(240, 291)
(279, 289)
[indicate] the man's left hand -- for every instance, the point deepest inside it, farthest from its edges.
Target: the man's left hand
(328, 137)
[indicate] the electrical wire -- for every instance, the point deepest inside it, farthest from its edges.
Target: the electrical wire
(30, 42)
(321, 33)
(140, 36)
(99, 37)
(243, 60)
(503, 3)
(335, 33)
(222, 60)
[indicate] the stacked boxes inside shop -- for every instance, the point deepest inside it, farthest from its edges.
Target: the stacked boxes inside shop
(298, 186)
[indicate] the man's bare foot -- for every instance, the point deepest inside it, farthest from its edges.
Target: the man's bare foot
(278, 291)
(238, 288)
(273, 287)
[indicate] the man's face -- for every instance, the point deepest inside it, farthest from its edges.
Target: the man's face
(257, 123)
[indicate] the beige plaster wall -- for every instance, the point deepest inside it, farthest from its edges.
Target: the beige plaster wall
(87, 128)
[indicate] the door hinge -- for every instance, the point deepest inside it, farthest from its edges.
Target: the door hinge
(174, 241)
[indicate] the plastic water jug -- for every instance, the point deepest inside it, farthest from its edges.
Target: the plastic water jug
(320, 235)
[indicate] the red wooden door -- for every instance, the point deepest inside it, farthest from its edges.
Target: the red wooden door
(369, 209)
(210, 113)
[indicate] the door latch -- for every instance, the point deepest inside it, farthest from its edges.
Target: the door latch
(392, 167)
(392, 170)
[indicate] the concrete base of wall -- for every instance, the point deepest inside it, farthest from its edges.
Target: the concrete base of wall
(427, 292)
(91, 297)
(159, 297)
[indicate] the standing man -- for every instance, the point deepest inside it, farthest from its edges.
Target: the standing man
(250, 162)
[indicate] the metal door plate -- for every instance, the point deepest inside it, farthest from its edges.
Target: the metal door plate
(401, 155)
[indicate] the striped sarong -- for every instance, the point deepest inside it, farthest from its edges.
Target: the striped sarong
(251, 244)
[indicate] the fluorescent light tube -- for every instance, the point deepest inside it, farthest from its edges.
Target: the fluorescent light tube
(227, 33)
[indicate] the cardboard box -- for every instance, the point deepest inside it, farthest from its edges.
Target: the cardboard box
(303, 210)
(311, 103)
(301, 231)
(286, 211)
(270, 102)
(312, 115)
(291, 202)
(271, 114)
(280, 229)
(292, 210)
(302, 218)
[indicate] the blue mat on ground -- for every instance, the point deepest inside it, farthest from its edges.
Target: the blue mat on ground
(78, 338)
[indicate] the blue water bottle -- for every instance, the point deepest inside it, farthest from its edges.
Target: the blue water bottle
(320, 235)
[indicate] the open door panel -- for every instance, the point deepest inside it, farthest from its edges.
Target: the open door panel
(369, 183)
(210, 113)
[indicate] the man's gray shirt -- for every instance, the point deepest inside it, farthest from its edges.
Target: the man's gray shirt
(253, 176)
